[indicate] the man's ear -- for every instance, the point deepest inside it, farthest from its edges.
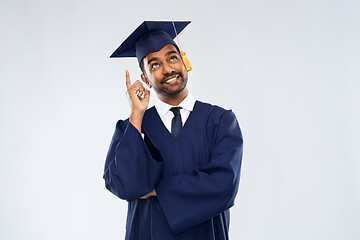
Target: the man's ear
(145, 80)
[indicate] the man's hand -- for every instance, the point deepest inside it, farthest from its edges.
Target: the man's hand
(139, 101)
(150, 194)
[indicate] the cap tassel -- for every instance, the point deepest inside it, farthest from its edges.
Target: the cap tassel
(186, 61)
(183, 54)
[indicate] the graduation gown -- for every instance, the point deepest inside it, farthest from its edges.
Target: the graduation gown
(195, 175)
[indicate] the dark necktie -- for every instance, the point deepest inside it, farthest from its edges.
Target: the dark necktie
(176, 122)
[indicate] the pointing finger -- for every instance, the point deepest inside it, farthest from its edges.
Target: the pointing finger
(128, 84)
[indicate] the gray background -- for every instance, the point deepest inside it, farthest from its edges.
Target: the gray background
(288, 69)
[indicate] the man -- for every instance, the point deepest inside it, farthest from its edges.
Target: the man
(177, 163)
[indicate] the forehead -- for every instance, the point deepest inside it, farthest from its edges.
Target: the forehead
(162, 52)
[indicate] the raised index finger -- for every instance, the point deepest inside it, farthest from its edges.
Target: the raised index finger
(128, 84)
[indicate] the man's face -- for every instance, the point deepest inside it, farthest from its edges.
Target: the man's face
(165, 71)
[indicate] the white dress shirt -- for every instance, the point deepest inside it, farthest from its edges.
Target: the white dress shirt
(163, 109)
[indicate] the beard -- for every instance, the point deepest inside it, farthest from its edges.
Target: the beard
(169, 92)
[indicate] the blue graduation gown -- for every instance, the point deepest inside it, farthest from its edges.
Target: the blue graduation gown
(195, 175)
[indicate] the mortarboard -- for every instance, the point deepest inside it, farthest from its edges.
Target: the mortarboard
(151, 36)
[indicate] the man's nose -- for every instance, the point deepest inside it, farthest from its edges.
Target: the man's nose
(167, 69)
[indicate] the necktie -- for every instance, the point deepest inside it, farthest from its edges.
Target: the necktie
(176, 122)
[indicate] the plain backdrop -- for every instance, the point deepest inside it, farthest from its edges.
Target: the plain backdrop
(288, 69)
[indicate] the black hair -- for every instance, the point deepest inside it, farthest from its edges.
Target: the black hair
(142, 65)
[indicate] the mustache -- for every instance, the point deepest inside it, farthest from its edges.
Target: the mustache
(169, 75)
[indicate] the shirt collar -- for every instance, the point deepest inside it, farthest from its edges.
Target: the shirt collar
(188, 103)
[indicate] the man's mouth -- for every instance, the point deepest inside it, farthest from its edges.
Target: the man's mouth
(171, 79)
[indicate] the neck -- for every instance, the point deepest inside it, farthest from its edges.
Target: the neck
(174, 100)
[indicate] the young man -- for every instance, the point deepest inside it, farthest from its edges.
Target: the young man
(177, 163)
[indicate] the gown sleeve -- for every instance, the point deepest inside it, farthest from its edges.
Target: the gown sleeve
(133, 164)
(188, 200)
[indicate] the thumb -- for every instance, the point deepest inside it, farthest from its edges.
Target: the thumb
(146, 94)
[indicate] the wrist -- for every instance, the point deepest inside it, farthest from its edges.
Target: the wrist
(138, 114)
(136, 120)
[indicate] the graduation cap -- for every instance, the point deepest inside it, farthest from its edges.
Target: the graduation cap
(151, 36)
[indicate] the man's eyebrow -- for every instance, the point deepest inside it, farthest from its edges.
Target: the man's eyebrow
(152, 59)
(171, 52)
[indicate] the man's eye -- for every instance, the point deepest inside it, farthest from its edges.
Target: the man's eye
(155, 65)
(173, 58)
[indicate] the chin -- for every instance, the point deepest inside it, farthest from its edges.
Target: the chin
(177, 91)
(169, 92)
(172, 92)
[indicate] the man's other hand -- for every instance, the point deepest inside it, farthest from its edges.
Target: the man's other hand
(150, 194)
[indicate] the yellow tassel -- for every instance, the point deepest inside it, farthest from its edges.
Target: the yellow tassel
(182, 53)
(185, 61)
